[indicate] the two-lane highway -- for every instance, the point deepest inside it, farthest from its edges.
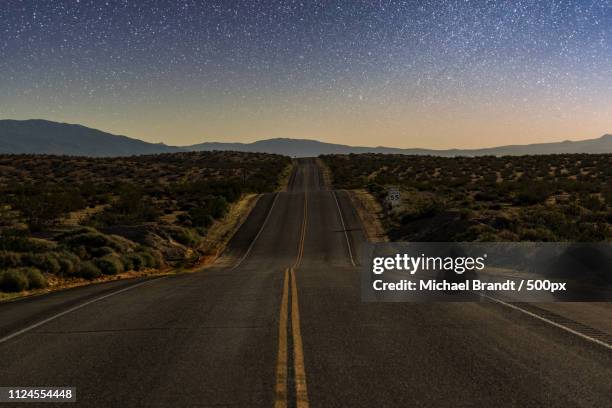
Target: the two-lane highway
(278, 321)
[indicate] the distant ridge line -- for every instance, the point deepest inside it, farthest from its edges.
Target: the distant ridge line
(38, 136)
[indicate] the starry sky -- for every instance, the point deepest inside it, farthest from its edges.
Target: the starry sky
(434, 74)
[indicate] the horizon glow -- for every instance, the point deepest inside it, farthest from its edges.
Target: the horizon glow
(438, 74)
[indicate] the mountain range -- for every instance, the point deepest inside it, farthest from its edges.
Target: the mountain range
(38, 136)
(45, 137)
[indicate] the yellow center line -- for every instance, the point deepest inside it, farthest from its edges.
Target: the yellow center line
(281, 360)
(281, 390)
(301, 391)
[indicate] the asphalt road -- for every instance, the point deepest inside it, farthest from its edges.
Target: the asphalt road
(278, 321)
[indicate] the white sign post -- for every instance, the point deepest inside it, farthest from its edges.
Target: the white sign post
(393, 195)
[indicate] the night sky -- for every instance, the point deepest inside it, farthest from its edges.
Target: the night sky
(398, 73)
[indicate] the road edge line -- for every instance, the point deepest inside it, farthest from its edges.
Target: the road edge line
(248, 251)
(348, 243)
(74, 308)
(303, 228)
(558, 325)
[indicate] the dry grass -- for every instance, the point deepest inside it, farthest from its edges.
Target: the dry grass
(56, 284)
(327, 174)
(222, 230)
(517, 198)
(76, 218)
(370, 213)
(176, 211)
(215, 242)
(284, 178)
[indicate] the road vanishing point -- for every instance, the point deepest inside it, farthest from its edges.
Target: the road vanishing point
(278, 321)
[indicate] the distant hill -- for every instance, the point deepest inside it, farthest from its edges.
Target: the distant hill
(46, 137)
(287, 147)
(309, 148)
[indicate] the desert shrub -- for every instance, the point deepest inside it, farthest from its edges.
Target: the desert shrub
(46, 262)
(185, 219)
(88, 239)
(39, 245)
(485, 196)
(532, 193)
(93, 241)
(506, 236)
(151, 258)
(607, 195)
(74, 232)
(88, 270)
(128, 264)
(476, 232)
(14, 240)
(593, 203)
(13, 280)
(135, 260)
(68, 261)
(67, 266)
(148, 260)
(502, 221)
(217, 205)
(158, 258)
(17, 241)
(101, 251)
(200, 217)
(41, 205)
(36, 279)
(375, 189)
(9, 259)
(132, 207)
(424, 210)
(109, 265)
(185, 236)
(573, 210)
(592, 232)
(536, 234)
(490, 185)
(120, 244)
(81, 252)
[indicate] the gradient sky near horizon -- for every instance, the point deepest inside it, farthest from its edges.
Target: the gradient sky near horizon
(434, 74)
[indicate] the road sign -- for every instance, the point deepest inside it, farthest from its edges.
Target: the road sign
(393, 195)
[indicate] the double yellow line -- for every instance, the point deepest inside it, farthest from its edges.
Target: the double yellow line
(282, 361)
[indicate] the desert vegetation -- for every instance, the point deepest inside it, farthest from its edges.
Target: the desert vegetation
(513, 198)
(65, 218)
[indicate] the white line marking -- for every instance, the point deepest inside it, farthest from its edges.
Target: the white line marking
(248, 251)
(348, 243)
(72, 309)
(567, 329)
